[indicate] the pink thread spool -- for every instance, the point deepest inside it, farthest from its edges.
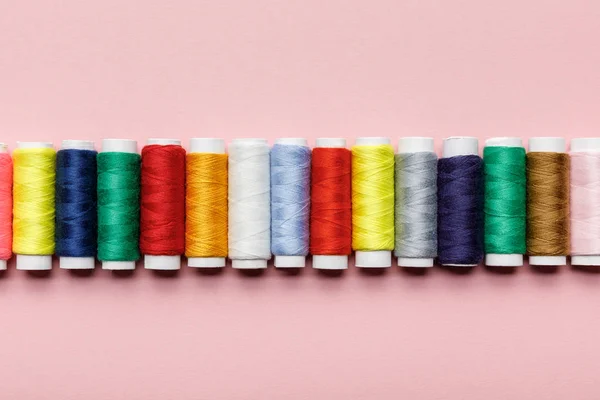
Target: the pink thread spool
(6, 179)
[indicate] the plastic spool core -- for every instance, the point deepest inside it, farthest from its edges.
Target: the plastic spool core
(212, 146)
(3, 149)
(460, 146)
(28, 262)
(330, 262)
(504, 260)
(582, 145)
(548, 145)
(291, 261)
(119, 146)
(77, 262)
(257, 263)
(406, 145)
(161, 262)
(380, 258)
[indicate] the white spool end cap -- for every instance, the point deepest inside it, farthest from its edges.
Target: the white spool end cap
(292, 141)
(585, 260)
(504, 260)
(585, 144)
(415, 262)
(290, 261)
(34, 145)
(460, 146)
(330, 262)
(162, 263)
(206, 262)
(164, 141)
(332, 143)
(249, 264)
(27, 262)
(207, 145)
(416, 144)
(548, 144)
(547, 260)
(77, 145)
(372, 141)
(119, 145)
(77, 262)
(373, 259)
(504, 142)
(3, 149)
(3, 264)
(118, 265)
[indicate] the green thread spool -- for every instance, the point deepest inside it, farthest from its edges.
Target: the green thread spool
(505, 202)
(118, 204)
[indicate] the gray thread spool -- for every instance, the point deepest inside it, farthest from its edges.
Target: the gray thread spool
(416, 202)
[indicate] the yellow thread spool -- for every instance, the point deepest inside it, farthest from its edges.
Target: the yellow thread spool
(33, 205)
(206, 204)
(373, 202)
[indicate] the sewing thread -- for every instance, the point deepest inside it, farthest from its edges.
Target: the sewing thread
(585, 203)
(6, 201)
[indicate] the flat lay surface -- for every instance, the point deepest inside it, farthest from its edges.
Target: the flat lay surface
(181, 69)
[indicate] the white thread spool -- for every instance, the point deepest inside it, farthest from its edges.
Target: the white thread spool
(504, 260)
(119, 146)
(291, 261)
(409, 145)
(212, 146)
(3, 149)
(379, 258)
(164, 262)
(77, 262)
(28, 262)
(577, 146)
(547, 145)
(240, 259)
(330, 262)
(460, 146)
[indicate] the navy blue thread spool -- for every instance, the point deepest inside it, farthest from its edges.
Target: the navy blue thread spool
(76, 212)
(460, 203)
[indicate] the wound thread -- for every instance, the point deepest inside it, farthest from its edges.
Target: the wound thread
(290, 199)
(331, 202)
(372, 197)
(162, 209)
(76, 211)
(33, 201)
(547, 204)
(585, 203)
(6, 203)
(416, 205)
(460, 210)
(505, 200)
(206, 213)
(118, 206)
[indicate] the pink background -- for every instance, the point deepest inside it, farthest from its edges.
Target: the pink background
(231, 68)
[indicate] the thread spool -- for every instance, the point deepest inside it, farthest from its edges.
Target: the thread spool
(6, 180)
(116, 146)
(371, 258)
(458, 146)
(214, 256)
(581, 219)
(72, 262)
(544, 145)
(32, 262)
(249, 204)
(508, 260)
(426, 220)
(290, 202)
(336, 227)
(158, 246)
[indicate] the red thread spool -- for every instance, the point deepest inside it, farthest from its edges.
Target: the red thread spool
(331, 204)
(162, 211)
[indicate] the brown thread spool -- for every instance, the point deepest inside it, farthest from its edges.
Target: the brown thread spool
(547, 201)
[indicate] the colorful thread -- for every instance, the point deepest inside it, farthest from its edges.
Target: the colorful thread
(6, 203)
(33, 201)
(585, 203)
(118, 206)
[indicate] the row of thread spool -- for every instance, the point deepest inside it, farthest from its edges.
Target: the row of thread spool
(266, 219)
